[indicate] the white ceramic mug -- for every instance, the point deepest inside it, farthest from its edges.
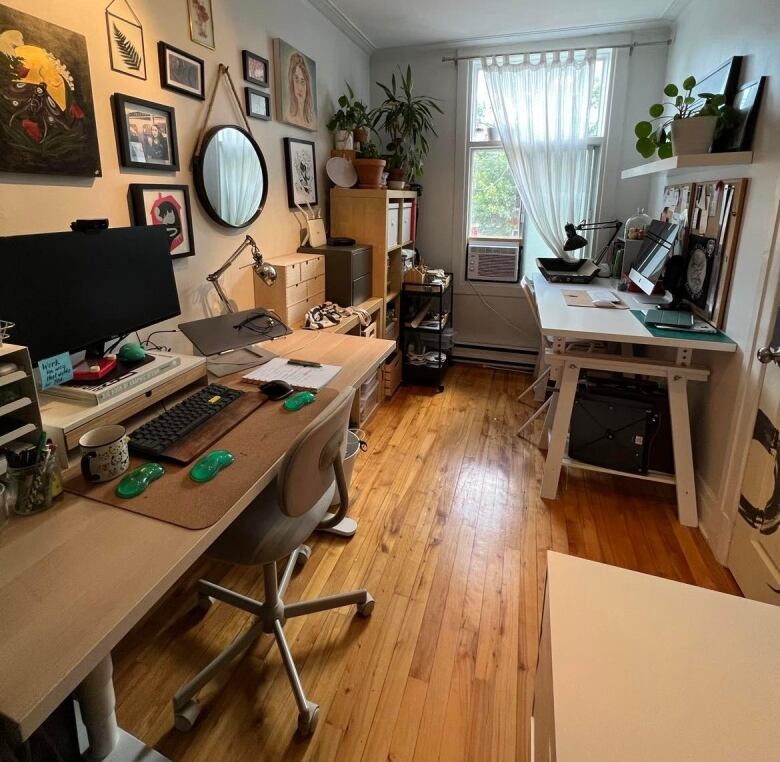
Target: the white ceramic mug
(104, 454)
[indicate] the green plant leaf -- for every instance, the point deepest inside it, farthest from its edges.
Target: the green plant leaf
(646, 147)
(678, 101)
(671, 90)
(690, 99)
(656, 110)
(689, 82)
(665, 151)
(643, 129)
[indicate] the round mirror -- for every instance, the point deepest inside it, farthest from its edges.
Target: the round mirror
(231, 178)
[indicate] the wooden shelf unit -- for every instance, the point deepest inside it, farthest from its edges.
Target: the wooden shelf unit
(362, 214)
(688, 163)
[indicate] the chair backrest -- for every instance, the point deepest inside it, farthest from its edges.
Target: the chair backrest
(314, 460)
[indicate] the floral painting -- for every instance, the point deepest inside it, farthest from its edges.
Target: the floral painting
(47, 116)
(201, 22)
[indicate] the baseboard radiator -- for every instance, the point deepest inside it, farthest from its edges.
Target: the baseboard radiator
(512, 358)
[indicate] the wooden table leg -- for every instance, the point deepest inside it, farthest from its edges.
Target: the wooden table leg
(560, 428)
(683, 456)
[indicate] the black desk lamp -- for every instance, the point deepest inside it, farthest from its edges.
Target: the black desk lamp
(575, 241)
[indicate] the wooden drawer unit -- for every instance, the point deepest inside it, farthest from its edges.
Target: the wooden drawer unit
(299, 286)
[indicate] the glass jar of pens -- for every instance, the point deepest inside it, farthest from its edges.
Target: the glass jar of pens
(33, 478)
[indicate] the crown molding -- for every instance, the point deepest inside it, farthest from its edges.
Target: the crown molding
(675, 8)
(341, 21)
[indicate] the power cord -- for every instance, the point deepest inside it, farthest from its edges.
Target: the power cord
(147, 343)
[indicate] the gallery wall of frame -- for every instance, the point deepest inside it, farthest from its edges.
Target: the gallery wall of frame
(130, 85)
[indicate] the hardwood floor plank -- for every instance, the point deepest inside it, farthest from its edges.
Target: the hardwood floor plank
(452, 543)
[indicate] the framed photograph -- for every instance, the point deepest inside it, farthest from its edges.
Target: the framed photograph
(255, 68)
(167, 205)
(146, 134)
(125, 39)
(296, 87)
(301, 168)
(258, 105)
(739, 137)
(201, 23)
(722, 80)
(55, 135)
(181, 72)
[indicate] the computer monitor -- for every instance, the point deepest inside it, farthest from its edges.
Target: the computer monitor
(658, 246)
(71, 291)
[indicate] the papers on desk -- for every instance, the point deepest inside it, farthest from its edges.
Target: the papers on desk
(298, 376)
(579, 298)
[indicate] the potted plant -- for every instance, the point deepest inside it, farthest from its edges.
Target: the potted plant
(351, 123)
(369, 167)
(408, 120)
(692, 124)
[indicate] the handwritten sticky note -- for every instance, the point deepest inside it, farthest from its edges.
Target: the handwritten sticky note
(55, 370)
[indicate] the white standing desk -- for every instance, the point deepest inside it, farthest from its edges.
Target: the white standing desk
(635, 668)
(563, 324)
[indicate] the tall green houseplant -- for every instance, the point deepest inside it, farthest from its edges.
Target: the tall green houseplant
(408, 121)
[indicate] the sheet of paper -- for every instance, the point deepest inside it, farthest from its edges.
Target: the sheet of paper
(55, 370)
(298, 376)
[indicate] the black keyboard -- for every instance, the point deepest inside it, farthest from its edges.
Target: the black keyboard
(162, 432)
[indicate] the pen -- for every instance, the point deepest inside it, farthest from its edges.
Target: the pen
(305, 363)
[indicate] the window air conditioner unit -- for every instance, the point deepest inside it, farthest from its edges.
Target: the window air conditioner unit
(493, 261)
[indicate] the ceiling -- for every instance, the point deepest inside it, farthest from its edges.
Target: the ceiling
(391, 23)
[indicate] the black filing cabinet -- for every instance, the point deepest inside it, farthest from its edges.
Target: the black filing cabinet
(347, 273)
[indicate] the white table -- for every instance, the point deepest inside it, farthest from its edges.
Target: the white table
(564, 323)
(635, 668)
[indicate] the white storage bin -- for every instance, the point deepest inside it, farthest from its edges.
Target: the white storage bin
(392, 225)
(406, 231)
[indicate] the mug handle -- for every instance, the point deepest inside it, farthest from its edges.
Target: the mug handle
(85, 469)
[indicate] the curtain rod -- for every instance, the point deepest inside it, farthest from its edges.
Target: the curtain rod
(630, 45)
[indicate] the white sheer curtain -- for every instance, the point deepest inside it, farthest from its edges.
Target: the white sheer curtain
(541, 111)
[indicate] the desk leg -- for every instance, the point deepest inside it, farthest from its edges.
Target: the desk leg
(683, 456)
(560, 428)
(97, 702)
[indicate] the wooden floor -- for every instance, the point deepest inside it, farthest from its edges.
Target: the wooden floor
(451, 542)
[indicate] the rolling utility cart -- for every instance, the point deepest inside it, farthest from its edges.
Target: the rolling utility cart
(427, 336)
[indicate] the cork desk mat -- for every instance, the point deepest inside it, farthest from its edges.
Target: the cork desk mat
(256, 443)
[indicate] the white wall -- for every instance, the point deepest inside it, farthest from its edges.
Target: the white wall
(637, 80)
(709, 32)
(30, 204)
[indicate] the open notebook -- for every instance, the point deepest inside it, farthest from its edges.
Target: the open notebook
(298, 376)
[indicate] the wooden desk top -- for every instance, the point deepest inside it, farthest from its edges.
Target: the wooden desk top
(558, 319)
(644, 668)
(75, 579)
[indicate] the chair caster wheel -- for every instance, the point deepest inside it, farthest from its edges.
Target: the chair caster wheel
(365, 609)
(304, 554)
(205, 602)
(307, 721)
(184, 718)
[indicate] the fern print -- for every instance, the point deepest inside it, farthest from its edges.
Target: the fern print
(130, 55)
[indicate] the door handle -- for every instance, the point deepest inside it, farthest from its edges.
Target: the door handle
(766, 355)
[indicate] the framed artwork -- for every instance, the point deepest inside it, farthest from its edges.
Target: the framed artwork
(258, 105)
(296, 86)
(722, 80)
(55, 135)
(146, 134)
(125, 39)
(747, 100)
(301, 169)
(255, 68)
(201, 23)
(167, 205)
(181, 72)
(710, 250)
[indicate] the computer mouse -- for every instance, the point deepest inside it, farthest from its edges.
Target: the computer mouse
(299, 400)
(131, 352)
(603, 303)
(276, 390)
(210, 465)
(139, 479)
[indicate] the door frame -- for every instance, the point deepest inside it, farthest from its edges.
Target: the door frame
(766, 309)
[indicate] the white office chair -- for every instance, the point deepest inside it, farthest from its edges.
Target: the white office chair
(274, 526)
(542, 370)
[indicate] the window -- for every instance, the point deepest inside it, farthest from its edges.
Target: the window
(494, 209)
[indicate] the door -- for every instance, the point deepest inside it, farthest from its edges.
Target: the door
(754, 555)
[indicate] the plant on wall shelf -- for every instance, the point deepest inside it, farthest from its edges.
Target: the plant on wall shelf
(352, 116)
(408, 121)
(692, 123)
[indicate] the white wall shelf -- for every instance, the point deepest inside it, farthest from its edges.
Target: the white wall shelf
(688, 163)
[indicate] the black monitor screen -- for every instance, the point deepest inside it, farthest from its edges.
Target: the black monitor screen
(68, 291)
(656, 249)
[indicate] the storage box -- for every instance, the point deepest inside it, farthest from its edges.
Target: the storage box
(347, 273)
(299, 286)
(393, 210)
(406, 230)
(391, 373)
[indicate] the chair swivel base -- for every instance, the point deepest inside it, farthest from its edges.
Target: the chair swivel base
(270, 616)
